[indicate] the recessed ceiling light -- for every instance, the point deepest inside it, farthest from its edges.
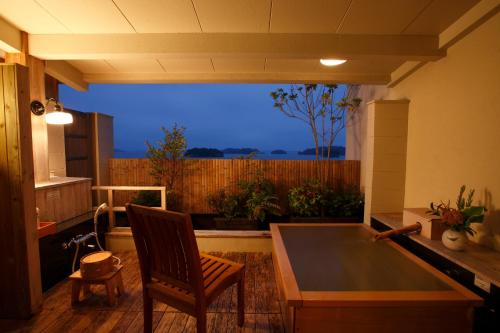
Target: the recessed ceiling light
(332, 62)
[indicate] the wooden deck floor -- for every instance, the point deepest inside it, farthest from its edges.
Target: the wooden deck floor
(262, 313)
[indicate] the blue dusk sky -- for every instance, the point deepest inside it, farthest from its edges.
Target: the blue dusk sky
(215, 115)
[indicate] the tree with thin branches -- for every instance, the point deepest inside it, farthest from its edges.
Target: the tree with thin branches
(324, 108)
(167, 161)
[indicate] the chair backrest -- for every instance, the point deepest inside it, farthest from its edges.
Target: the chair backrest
(166, 247)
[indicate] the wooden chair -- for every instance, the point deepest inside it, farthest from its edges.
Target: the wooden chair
(172, 269)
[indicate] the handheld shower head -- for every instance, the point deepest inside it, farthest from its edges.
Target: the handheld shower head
(102, 207)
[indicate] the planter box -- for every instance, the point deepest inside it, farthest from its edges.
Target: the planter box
(235, 224)
(325, 220)
(203, 221)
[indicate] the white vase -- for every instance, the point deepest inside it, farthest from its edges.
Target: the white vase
(454, 240)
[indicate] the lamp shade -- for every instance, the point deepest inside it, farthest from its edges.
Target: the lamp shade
(332, 62)
(58, 118)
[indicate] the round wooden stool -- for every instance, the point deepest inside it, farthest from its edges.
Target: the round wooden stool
(97, 268)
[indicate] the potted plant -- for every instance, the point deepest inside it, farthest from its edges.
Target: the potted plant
(458, 220)
(306, 201)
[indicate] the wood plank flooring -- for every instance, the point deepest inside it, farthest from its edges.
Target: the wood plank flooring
(262, 312)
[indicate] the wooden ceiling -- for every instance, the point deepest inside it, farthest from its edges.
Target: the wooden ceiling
(234, 40)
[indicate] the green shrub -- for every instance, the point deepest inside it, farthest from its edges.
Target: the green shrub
(259, 195)
(262, 204)
(147, 198)
(228, 205)
(306, 200)
(347, 202)
(313, 200)
(255, 199)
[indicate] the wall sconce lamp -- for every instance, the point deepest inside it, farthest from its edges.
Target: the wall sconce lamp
(55, 117)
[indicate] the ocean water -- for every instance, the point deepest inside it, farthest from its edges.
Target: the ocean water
(265, 155)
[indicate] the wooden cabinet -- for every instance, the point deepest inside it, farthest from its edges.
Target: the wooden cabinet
(63, 198)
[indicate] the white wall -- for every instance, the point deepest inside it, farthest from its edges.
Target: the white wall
(57, 153)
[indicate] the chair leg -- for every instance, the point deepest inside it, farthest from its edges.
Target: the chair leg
(148, 313)
(201, 322)
(241, 301)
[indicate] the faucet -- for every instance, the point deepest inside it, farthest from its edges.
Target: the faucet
(81, 239)
(78, 239)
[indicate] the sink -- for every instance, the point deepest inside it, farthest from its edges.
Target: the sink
(46, 228)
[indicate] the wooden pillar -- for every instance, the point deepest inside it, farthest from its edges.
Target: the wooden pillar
(102, 152)
(385, 159)
(51, 87)
(37, 92)
(20, 282)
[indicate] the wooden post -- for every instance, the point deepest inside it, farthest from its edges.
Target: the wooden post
(163, 198)
(36, 92)
(111, 212)
(20, 283)
(39, 126)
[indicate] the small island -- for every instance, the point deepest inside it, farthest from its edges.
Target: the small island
(336, 151)
(278, 152)
(204, 152)
(241, 151)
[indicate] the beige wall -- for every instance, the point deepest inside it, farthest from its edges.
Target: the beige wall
(453, 126)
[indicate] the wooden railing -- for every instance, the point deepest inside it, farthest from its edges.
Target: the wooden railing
(112, 209)
(202, 177)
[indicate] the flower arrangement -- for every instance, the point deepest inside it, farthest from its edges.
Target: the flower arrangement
(460, 218)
